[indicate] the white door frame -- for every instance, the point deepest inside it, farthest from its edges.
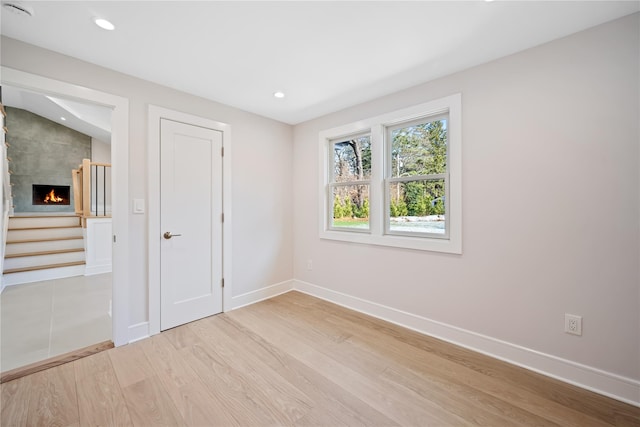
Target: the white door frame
(119, 180)
(153, 167)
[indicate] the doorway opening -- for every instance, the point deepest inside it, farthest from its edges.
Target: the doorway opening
(118, 111)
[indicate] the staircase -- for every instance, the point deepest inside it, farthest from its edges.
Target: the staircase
(43, 248)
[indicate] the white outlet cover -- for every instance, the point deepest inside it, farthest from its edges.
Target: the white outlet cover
(573, 324)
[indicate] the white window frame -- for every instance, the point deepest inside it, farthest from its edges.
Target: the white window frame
(377, 127)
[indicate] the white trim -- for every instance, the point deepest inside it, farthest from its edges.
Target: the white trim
(97, 269)
(119, 179)
(138, 332)
(153, 207)
(376, 127)
(606, 383)
(261, 294)
(95, 243)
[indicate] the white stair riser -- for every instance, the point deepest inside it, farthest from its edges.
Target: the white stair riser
(40, 275)
(46, 233)
(34, 261)
(46, 221)
(50, 245)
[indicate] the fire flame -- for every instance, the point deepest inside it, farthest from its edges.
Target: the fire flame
(51, 197)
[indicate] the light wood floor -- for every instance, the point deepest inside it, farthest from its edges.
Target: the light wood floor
(297, 360)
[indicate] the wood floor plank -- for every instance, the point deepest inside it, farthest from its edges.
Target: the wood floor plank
(54, 400)
(227, 385)
(147, 401)
(185, 388)
(181, 337)
(333, 405)
(562, 394)
(369, 363)
(402, 407)
(130, 364)
(270, 389)
(299, 360)
(100, 399)
(15, 398)
(150, 405)
(536, 408)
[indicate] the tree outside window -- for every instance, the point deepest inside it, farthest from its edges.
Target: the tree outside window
(351, 182)
(417, 177)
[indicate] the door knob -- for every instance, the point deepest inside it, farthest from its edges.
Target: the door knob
(167, 235)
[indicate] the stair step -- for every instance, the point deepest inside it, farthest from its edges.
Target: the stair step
(44, 233)
(43, 267)
(57, 271)
(43, 221)
(46, 259)
(43, 245)
(43, 228)
(52, 252)
(52, 239)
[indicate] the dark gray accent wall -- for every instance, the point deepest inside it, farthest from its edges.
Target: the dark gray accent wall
(42, 152)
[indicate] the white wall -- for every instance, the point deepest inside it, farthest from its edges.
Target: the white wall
(550, 205)
(100, 151)
(262, 202)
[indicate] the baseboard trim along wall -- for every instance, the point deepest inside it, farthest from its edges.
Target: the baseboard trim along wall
(606, 383)
(98, 269)
(259, 295)
(138, 332)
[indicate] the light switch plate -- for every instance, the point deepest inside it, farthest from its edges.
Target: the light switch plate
(138, 206)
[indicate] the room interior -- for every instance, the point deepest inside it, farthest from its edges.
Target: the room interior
(550, 190)
(48, 313)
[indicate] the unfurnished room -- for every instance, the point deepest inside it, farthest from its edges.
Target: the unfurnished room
(321, 213)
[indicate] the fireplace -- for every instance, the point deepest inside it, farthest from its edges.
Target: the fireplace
(51, 195)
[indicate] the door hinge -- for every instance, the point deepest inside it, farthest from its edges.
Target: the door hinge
(114, 238)
(222, 281)
(222, 217)
(222, 151)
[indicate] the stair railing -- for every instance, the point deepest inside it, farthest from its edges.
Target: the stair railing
(91, 189)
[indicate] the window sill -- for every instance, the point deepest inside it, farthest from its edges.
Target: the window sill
(452, 245)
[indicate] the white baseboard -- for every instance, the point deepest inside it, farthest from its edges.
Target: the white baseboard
(138, 332)
(97, 269)
(606, 383)
(260, 295)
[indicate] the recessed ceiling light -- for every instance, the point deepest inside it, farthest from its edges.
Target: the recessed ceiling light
(63, 119)
(278, 94)
(104, 24)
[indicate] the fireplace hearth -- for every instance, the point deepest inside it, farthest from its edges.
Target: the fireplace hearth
(51, 195)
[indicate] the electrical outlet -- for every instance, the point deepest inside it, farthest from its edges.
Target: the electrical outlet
(573, 324)
(309, 264)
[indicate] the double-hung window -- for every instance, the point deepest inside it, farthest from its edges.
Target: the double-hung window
(350, 182)
(395, 179)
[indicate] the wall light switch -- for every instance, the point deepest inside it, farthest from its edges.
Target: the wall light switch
(138, 206)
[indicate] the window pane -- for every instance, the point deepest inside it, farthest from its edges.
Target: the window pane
(352, 159)
(417, 207)
(419, 149)
(350, 206)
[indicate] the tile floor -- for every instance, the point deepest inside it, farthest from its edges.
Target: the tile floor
(45, 319)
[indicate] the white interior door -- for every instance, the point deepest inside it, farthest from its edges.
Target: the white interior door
(191, 223)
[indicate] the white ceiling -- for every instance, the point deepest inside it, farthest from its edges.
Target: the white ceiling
(324, 55)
